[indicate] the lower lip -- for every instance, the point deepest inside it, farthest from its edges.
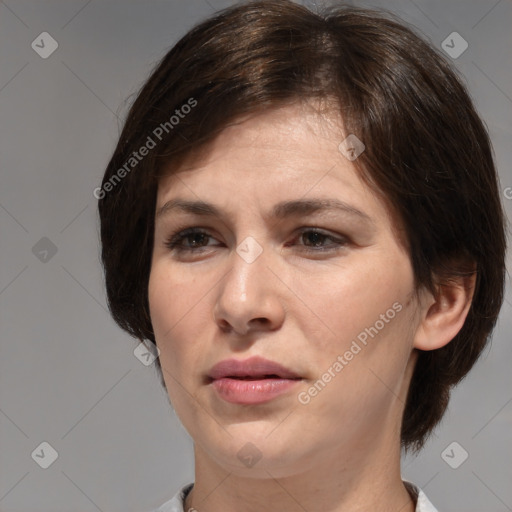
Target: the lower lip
(248, 392)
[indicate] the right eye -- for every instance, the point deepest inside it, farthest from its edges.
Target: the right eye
(196, 238)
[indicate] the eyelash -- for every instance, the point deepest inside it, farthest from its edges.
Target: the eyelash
(175, 241)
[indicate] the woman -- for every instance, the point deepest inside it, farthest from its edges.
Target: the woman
(302, 214)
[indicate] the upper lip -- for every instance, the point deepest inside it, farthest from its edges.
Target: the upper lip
(253, 367)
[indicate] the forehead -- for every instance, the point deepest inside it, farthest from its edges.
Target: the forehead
(295, 146)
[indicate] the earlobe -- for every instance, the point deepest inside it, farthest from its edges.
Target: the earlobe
(444, 315)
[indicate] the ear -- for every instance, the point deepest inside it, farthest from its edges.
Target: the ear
(443, 315)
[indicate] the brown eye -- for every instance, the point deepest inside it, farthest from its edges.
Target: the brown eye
(190, 239)
(315, 240)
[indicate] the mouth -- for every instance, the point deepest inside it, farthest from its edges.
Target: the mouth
(252, 381)
(249, 378)
(254, 377)
(254, 368)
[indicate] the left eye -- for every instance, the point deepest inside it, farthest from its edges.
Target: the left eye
(317, 239)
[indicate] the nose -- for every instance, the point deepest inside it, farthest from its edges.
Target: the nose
(249, 298)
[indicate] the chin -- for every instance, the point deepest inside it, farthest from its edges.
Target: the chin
(256, 454)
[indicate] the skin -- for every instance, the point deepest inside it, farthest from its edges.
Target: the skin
(298, 306)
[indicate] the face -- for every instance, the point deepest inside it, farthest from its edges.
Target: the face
(289, 259)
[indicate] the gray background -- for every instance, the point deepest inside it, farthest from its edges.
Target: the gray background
(68, 375)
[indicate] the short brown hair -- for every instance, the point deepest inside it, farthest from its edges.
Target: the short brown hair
(427, 152)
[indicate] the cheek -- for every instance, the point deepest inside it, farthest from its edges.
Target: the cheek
(340, 304)
(161, 301)
(173, 303)
(181, 310)
(173, 296)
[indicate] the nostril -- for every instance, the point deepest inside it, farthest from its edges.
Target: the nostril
(261, 320)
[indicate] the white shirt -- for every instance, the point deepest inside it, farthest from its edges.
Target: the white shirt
(177, 503)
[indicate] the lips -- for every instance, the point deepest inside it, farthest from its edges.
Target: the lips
(251, 382)
(254, 368)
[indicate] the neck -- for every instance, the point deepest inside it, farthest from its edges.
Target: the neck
(337, 482)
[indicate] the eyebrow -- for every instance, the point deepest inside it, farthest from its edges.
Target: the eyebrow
(281, 210)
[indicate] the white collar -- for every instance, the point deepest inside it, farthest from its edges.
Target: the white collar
(177, 503)
(422, 502)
